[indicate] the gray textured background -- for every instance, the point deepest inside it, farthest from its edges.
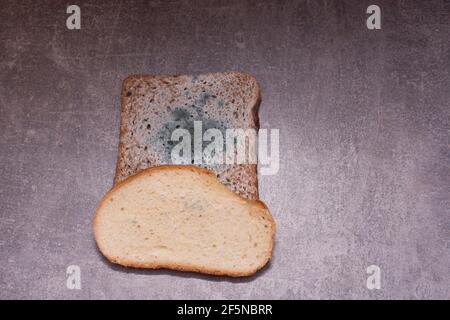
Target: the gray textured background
(364, 129)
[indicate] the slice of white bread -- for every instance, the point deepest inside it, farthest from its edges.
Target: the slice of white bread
(183, 218)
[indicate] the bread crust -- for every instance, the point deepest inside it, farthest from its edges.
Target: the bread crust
(184, 267)
(250, 169)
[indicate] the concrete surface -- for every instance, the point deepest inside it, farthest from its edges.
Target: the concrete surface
(364, 128)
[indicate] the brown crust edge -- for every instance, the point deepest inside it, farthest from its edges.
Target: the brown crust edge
(254, 111)
(121, 146)
(184, 267)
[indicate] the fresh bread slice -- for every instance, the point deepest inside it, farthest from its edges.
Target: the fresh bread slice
(152, 107)
(183, 218)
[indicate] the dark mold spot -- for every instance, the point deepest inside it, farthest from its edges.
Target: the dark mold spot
(179, 114)
(184, 119)
(203, 99)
